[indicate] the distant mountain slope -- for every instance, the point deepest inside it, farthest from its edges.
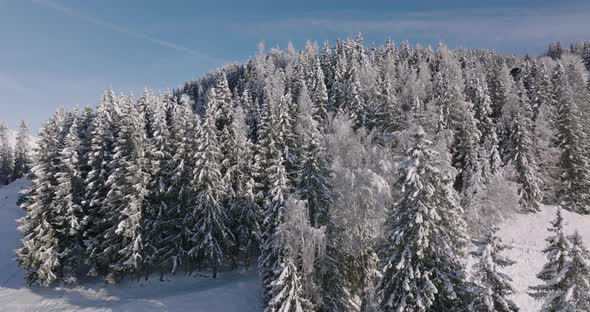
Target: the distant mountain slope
(234, 291)
(527, 233)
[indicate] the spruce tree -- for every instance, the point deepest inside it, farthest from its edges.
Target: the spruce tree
(22, 161)
(569, 289)
(45, 227)
(425, 238)
(211, 233)
(176, 217)
(160, 196)
(545, 139)
(273, 216)
(68, 204)
(313, 169)
(577, 277)
(466, 155)
(556, 254)
(6, 156)
(105, 130)
(245, 215)
(575, 171)
(489, 143)
(523, 154)
(493, 287)
(122, 250)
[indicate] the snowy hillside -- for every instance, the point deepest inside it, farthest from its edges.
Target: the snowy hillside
(234, 291)
(526, 233)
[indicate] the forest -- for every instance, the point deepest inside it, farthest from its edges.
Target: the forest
(352, 177)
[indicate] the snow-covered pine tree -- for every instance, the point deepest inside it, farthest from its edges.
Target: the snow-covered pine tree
(313, 173)
(576, 279)
(222, 103)
(211, 233)
(493, 288)
(391, 115)
(332, 294)
(22, 151)
(68, 205)
(271, 255)
(569, 289)
(425, 237)
(105, 130)
(571, 135)
(577, 80)
(85, 129)
(489, 144)
(500, 83)
(545, 138)
(122, 249)
(319, 92)
(448, 90)
(6, 156)
(556, 254)
(523, 153)
(39, 253)
(160, 195)
(355, 103)
(177, 218)
(466, 155)
(285, 112)
(244, 214)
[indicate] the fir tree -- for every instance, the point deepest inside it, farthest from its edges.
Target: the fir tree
(575, 171)
(160, 196)
(104, 134)
(271, 255)
(6, 157)
(523, 154)
(493, 286)
(176, 218)
(22, 161)
(313, 169)
(418, 275)
(556, 254)
(68, 204)
(123, 248)
(238, 178)
(577, 278)
(38, 254)
(466, 156)
(211, 233)
(569, 289)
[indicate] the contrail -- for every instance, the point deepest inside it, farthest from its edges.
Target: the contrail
(99, 22)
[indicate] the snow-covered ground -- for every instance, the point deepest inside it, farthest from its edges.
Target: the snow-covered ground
(234, 291)
(526, 233)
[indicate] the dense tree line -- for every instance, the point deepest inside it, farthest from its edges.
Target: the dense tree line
(15, 161)
(355, 175)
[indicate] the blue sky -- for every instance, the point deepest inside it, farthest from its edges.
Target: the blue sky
(65, 52)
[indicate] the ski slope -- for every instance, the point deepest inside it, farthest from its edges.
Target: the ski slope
(526, 233)
(233, 291)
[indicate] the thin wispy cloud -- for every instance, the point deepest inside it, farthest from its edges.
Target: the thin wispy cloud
(123, 30)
